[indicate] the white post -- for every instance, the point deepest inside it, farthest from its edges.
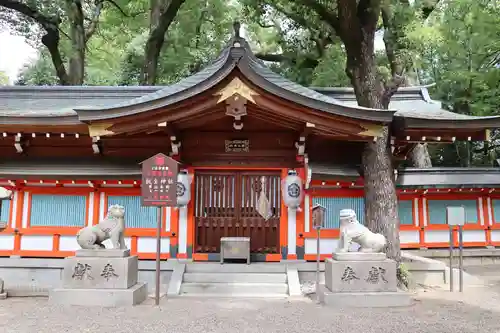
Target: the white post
(182, 230)
(292, 231)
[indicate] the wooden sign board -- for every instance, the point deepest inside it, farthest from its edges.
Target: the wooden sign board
(159, 181)
(318, 216)
(455, 215)
(237, 146)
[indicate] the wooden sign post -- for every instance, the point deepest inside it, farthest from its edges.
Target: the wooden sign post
(159, 189)
(318, 222)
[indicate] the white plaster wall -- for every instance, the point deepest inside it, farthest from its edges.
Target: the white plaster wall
(109, 245)
(36, 243)
(495, 235)
(409, 236)
(474, 236)
(6, 242)
(326, 245)
(148, 245)
(437, 236)
(68, 243)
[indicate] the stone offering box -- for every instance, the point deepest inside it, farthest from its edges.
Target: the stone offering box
(356, 279)
(100, 278)
(235, 248)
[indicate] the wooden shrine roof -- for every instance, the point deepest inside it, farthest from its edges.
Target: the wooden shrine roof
(413, 114)
(237, 56)
(416, 109)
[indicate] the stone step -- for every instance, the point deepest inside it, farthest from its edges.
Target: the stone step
(235, 277)
(234, 289)
(242, 295)
(235, 268)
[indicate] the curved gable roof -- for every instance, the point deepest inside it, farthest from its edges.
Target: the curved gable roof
(236, 55)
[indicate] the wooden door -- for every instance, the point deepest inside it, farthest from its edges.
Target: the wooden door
(225, 206)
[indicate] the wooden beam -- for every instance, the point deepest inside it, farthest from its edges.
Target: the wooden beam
(153, 119)
(322, 121)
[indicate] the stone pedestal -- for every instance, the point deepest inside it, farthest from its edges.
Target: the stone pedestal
(100, 278)
(356, 279)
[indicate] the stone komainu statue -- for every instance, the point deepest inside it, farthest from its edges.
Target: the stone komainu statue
(112, 227)
(353, 231)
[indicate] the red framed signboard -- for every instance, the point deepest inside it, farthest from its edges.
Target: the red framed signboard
(159, 181)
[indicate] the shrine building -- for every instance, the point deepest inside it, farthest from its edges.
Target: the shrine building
(239, 131)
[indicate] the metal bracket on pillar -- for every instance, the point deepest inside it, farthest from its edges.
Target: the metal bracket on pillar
(19, 143)
(96, 144)
(301, 143)
(175, 144)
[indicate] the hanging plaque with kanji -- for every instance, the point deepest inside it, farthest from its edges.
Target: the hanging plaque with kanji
(159, 181)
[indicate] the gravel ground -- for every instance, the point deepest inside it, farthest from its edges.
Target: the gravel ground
(433, 312)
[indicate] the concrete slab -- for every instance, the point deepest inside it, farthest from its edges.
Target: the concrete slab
(104, 253)
(364, 299)
(174, 287)
(359, 256)
(99, 297)
(293, 282)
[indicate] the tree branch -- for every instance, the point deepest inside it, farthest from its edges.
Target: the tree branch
(428, 8)
(309, 62)
(159, 26)
(323, 12)
(118, 7)
(50, 39)
(94, 21)
(45, 21)
(392, 87)
(273, 57)
(368, 13)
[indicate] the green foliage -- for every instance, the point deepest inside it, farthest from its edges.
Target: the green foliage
(403, 276)
(459, 50)
(115, 53)
(4, 79)
(38, 73)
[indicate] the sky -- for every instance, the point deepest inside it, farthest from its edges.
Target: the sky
(14, 53)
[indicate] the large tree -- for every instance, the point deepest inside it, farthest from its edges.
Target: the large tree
(355, 24)
(162, 14)
(115, 55)
(77, 20)
(460, 51)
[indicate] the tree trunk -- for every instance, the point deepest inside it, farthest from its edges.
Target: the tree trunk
(162, 14)
(400, 66)
(77, 36)
(420, 156)
(381, 210)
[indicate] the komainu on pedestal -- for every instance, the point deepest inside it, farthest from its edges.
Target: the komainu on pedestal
(353, 231)
(365, 278)
(97, 276)
(112, 227)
